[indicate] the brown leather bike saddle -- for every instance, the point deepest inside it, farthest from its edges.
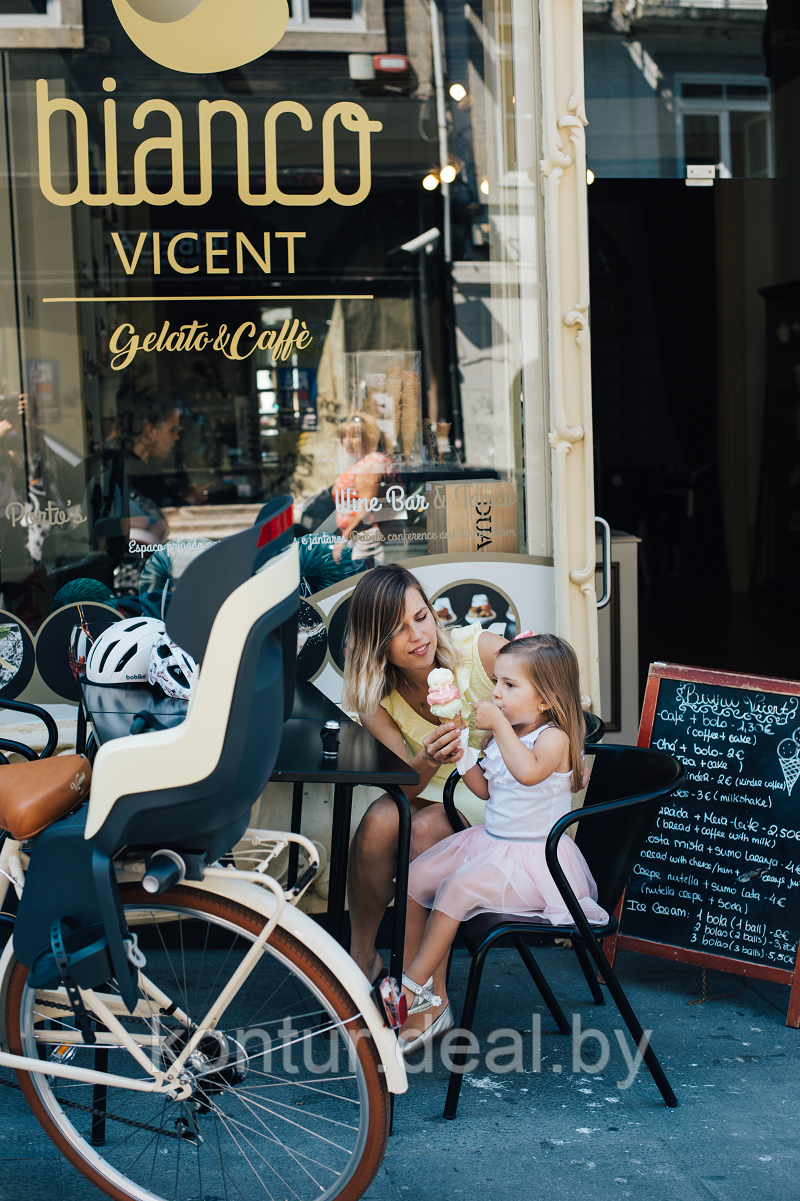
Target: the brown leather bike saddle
(34, 795)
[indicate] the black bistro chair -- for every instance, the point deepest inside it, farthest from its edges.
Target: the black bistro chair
(627, 788)
(10, 746)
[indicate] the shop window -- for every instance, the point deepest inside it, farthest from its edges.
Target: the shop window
(665, 91)
(725, 124)
(345, 307)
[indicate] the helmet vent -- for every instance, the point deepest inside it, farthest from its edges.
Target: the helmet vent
(126, 658)
(105, 656)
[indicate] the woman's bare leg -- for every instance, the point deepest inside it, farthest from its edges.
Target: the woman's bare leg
(373, 864)
(370, 887)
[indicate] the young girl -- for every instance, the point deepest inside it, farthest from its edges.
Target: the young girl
(531, 767)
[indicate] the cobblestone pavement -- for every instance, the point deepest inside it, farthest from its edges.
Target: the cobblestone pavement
(732, 1062)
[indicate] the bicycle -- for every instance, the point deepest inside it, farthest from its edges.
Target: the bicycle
(178, 1027)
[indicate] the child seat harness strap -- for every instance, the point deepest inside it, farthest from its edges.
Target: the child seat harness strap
(82, 1020)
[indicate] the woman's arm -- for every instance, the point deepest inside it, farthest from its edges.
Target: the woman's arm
(439, 747)
(527, 765)
(488, 646)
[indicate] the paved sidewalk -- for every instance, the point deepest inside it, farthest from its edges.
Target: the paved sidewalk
(732, 1062)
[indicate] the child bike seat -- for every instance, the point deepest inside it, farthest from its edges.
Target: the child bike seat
(34, 795)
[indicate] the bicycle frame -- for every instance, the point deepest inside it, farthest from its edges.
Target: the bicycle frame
(258, 891)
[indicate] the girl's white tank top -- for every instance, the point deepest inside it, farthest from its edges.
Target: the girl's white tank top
(523, 812)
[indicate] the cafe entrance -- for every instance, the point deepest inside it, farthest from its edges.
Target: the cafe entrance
(694, 270)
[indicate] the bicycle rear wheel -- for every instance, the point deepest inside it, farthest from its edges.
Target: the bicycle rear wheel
(288, 1102)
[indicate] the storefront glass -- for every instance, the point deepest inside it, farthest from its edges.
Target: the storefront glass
(692, 148)
(225, 284)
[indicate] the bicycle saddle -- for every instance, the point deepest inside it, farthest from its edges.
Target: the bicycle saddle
(34, 795)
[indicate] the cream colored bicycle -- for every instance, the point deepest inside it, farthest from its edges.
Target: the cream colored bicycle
(178, 1027)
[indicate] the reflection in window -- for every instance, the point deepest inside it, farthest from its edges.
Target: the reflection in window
(306, 13)
(665, 92)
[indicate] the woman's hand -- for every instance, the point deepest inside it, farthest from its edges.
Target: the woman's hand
(442, 745)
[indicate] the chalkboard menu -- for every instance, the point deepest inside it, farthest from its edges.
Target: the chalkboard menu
(719, 877)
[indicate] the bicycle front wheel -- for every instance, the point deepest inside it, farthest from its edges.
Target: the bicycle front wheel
(288, 1098)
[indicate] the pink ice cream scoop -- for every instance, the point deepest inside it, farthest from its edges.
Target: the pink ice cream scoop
(444, 697)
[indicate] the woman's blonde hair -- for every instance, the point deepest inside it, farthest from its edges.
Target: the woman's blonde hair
(551, 665)
(377, 612)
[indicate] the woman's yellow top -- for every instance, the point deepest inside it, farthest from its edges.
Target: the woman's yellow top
(474, 685)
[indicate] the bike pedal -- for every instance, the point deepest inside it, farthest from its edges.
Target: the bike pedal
(64, 1053)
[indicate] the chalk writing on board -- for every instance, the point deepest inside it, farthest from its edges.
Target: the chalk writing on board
(721, 868)
(789, 759)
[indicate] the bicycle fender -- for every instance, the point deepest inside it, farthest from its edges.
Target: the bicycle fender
(311, 934)
(7, 962)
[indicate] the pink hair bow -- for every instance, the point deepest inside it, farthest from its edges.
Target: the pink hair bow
(524, 634)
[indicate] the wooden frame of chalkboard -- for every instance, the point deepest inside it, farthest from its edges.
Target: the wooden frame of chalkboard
(718, 882)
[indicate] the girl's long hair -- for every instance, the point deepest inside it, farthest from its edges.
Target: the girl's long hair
(377, 611)
(551, 665)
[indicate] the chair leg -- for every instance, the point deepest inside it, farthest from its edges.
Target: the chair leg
(590, 974)
(459, 1058)
(556, 1012)
(631, 1021)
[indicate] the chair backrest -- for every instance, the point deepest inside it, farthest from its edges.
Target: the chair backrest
(595, 728)
(613, 842)
(191, 788)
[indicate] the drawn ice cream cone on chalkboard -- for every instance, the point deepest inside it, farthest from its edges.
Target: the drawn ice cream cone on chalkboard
(789, 759)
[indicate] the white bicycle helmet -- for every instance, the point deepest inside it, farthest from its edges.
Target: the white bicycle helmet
(171, 668)
(121, 654)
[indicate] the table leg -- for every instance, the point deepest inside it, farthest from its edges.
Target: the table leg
(340, 846)
(294, 848)
(401, 881)
(80, 733)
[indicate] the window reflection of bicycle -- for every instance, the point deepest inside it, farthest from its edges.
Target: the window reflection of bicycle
(178, 1027)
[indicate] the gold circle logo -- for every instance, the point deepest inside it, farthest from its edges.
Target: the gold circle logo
(202, 37)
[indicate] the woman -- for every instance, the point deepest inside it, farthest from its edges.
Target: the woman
(360, 436)
(394, 640)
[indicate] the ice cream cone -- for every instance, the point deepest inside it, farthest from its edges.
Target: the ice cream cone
(457, 721)
(410, 412)
(791, 772)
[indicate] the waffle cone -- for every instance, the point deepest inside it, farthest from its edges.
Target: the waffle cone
(457, 721)
(409, 414)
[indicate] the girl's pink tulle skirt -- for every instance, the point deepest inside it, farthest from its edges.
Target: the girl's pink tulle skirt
(471, 873)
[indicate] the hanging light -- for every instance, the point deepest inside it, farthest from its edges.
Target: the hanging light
(589, 176)
(430, 182)
(485, 186)
(457, 91)
(447, 173)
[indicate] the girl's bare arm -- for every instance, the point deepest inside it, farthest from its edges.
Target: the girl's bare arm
(527, 766)
(476, 782)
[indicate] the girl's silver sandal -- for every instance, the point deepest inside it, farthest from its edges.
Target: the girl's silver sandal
(425, 997)
(421, 1038)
